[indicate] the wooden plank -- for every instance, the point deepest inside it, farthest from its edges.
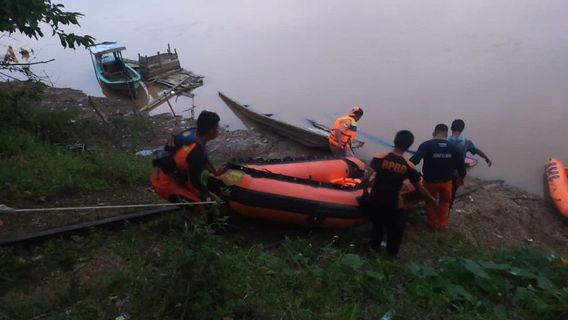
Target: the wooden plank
(169, 93)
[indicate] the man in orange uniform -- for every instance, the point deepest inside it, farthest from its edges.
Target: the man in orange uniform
(189, 161)
(385, 206)
(344, 131)
(441, 159)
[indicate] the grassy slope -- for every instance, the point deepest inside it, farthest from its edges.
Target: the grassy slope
(38, 163)
(171, 269)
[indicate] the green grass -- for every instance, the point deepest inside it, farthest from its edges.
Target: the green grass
(38, 163)
(170, 270)
(179, 269)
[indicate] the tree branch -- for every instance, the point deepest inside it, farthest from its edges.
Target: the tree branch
(2, 74)
(25, 64)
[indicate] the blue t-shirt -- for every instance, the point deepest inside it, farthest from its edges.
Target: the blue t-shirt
(463, 145)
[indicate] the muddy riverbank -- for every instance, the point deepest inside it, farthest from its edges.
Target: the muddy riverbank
(492, 215)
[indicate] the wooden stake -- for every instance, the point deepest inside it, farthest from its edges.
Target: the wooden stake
(101, 115)
(169, 104)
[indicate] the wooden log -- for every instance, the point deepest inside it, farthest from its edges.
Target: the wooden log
(169, 104)
(98, 112)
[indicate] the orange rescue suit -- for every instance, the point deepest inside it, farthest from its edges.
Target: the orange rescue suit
(348, 127)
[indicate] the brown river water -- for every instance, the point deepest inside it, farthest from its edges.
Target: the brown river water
(501, 65)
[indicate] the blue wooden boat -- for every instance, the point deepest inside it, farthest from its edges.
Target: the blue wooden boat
(111, 71)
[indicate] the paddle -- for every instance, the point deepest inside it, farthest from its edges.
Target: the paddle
(378, 140)
(364, 134)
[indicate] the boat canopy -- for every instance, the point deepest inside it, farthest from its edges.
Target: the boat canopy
(106, 47)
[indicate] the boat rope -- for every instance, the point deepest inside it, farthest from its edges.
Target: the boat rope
(5, 209)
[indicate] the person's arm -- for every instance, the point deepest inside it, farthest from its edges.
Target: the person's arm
(369, 171)
(414, 177)
(426, 194)
(209, 166)
(471, 148)
(417, 157)
(366, 181)
(197, 163)
(484, 156)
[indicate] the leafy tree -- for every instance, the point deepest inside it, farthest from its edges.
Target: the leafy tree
(26, 16)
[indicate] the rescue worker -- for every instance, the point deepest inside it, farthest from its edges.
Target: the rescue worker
(464, 146)
(189, 161)
(344, 132)
(441, 159)
(384, 206)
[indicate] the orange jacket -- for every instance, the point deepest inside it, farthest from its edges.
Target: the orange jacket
(348, 127)
(180, 157)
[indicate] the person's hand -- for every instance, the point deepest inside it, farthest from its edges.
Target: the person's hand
(215, 198)
(437, 202)
(221, 171)
(489, 163)
(459, 181)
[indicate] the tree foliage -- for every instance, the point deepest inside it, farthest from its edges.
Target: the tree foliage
(27, 17)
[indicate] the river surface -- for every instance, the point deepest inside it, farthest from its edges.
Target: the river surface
(501, 65)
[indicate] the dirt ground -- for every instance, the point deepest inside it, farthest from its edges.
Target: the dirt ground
(492, 215)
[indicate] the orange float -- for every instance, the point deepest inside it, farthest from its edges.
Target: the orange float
(557, 177)
(313, 192)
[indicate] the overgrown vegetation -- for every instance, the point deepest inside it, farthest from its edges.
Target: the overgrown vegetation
(48, 152)
(174, 270)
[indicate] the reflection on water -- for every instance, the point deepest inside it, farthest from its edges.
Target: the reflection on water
(499, 64)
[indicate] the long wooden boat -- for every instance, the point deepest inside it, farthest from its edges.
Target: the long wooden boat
(112, 71)
(308, 133)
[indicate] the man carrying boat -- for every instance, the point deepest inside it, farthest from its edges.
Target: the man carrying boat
(344, 132)
(385, 205)
(441, 159)
(464, 146)
(186, 164)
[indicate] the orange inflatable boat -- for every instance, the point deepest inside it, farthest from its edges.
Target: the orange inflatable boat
(314, 192)
(557, 177)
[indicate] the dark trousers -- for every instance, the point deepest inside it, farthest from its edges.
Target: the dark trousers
(454, 190)
(389, 219)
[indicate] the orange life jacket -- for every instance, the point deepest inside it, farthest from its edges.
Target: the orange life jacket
(180, 157)
(348, 134)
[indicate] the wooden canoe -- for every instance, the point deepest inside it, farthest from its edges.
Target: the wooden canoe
(308, 133)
